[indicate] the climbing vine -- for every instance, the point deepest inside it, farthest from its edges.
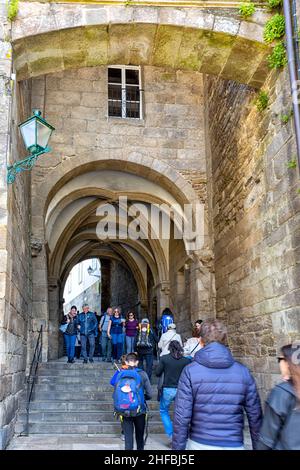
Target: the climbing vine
(12, 9)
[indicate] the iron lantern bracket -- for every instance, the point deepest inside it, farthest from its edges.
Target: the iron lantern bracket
(24, 165)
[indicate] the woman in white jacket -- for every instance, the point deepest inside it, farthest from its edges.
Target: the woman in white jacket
(192, 345)
(166, 338)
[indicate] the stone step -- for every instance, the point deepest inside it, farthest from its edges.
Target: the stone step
(76, 365)
(82, 396)
(81, 428)
(65, 405)
(77, 388)
(100, 416)
(78, 379)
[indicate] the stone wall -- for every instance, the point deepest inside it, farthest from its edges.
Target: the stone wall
(75, 102)
(123, 288)
(256, 220)
(15, 277)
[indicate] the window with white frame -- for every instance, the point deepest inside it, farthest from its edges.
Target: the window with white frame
(124, 92)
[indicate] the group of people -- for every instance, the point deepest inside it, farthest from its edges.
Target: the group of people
(115, 332)
(211, 391)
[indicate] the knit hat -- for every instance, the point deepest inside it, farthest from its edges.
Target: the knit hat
(145, 320)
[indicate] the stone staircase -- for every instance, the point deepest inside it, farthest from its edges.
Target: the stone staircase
(72, 399)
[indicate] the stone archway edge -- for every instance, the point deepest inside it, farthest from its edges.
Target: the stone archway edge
(156, 3)
(56, 16)
(63, 36)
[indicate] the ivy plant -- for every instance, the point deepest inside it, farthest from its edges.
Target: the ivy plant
(275, 28)
(262, 101)
(292, 164)
(12, 9)
(286, 117)
(274, 3)
(277, 58)
(246, 9)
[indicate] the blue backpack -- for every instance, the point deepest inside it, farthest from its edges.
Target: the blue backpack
(128, 394)
(166, 320)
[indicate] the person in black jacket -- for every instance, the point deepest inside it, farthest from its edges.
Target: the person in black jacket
(70, 333)
(145, 342)
(171, 365)
(281, 425)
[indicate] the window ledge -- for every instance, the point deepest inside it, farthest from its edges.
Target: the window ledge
(126, 121)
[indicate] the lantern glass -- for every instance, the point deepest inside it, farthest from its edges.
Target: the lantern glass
(36, 133)
(28, 131)
(43, 134)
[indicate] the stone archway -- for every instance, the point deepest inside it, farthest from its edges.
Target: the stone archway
(61, 36)
(65, 212)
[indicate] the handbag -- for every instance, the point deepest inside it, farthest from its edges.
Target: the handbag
(63, 328)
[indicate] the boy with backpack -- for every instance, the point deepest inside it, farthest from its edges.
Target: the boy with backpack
(132, 389)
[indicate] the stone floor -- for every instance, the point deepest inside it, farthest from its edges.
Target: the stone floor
(60, 442)
(50, 442)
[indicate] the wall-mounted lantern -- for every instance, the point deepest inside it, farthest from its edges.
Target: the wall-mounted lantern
(36, 133)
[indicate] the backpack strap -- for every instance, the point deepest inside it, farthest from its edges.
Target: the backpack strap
(194, 348)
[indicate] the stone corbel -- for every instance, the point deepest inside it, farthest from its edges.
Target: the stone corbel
(36, 247)
(52, 283)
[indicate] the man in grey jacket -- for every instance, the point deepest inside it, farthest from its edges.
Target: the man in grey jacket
(105, 340)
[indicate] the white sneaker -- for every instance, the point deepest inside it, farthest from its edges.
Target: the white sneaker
(122, 437)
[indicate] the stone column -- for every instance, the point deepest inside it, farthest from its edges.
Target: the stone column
(40, 304)
(202, 285)
(163, 296)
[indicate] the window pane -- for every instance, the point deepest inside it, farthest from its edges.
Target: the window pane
(114, 75)
(132, 93)
(132, 109)
(132, 77)
(114, 92)
(115, 108)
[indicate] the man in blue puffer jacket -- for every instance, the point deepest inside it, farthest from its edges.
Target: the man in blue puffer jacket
(212, 394)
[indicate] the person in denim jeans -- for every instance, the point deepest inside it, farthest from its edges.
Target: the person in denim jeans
(87, 325)
(105, 340)
(131, 327)
(171, 365)
(115, 333)
(70, 333)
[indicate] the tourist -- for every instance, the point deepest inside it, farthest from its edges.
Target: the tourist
(87, 325)
(167, 317)
(193, 345)
(115, 333)
(105, 340)
(134, 384)
(146, 339)
(113, 380)
(212, 394)
(171, 366)
(166, 338)
(131, 327)
(281, 424)
(70, 333)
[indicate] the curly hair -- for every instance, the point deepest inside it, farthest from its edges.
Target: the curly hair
(176, 350)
